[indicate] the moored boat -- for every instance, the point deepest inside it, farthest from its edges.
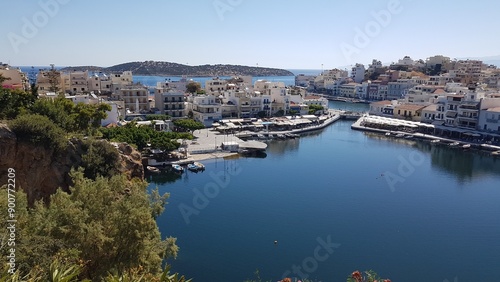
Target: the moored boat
(435, 141)
(199, 165)
(454, 144)
(177, 168)
(281, 136)
(153, 169)
(495, 154)
(192, 167)
(466, 146)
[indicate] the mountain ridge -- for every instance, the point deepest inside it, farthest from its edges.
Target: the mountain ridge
(161, 68)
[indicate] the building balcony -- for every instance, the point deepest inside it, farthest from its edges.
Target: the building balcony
(464, 117)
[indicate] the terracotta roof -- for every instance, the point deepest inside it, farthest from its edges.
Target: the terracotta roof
(382, 103)
(495, 109)
(432, 107)
(410, 107)
(439, 91)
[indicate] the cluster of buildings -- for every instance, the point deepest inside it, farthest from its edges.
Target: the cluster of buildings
(218, 99)
(14, 78)
(454, 93)
(234, 98)
(378, 82)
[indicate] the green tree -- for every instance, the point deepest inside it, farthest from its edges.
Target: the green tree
(13, 102)
(58, 110)
(188, 124)
(158, 117)
(193, 87)
(37, 129)
(99, 158)
(314, 108)
(106, 225)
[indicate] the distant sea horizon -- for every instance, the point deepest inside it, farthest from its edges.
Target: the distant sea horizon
(27, 69)
(151, 80)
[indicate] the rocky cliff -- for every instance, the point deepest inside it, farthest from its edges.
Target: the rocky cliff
(40, 171)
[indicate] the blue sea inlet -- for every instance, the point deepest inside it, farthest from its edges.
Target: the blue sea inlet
(336, 201)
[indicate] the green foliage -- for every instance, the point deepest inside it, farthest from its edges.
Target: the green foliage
(58, 110)
(105, 226)
(158, 117)
(314, 108)
(188, 124)
(193, 87)
(100, 158)
(14, 102)
(279, 113)
(37, 129)
(142, 135)
(73, 118)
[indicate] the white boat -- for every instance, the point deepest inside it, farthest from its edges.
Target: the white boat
(387, 134)
(466, 146)
(400, 135)
(177, 168)
(199, 165)
(153, 169)
(495, 154)
(454, 144)
(435, 141)
(192, 167)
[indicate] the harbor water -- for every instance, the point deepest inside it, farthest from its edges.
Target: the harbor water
(335, 201)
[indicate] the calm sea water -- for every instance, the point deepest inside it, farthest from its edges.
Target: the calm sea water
(337, 201)
(288, 80)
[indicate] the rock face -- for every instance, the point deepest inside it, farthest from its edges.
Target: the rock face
(40, 171)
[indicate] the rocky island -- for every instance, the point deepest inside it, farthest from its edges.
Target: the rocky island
(174, 69)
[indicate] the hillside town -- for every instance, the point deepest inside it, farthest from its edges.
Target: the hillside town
(217, 99)
(439, 91)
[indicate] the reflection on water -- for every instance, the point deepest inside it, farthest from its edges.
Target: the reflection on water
(281, 147)
(163, 177)
(465, 165)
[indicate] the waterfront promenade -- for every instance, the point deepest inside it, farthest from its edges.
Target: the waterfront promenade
(361, 124)
(208, 141)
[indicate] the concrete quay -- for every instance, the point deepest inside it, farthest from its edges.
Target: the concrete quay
(357, 126)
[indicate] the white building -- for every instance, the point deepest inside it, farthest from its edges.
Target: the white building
(215, 86)
(205, 109)
(79, 82)
(315, 100)
(358, 73)
(100, 83)
(134, 96)
(398, 89)
(489, 115)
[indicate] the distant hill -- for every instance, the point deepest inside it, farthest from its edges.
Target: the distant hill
(174, 69)
(490, 60)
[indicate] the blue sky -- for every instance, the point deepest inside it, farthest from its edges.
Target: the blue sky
(285, 34)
